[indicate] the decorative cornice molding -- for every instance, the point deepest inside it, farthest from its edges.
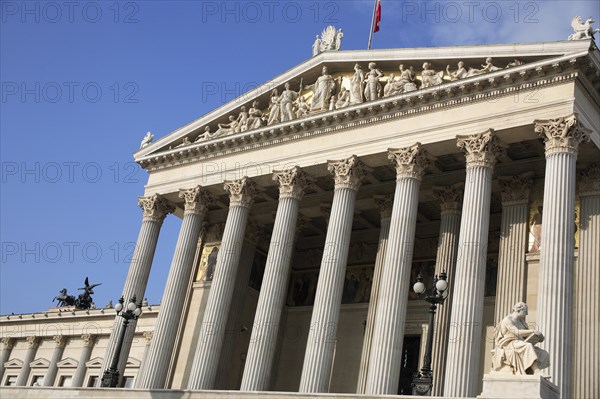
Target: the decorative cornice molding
(589, 181)
(562, 134)
(241, 192)
(450, 198)
(384, 204)
(470, 90)
(410, 161)
(155, 208)
(348, 173)
(515, 189)
(196, 200)
(481, 149)
(292, 182)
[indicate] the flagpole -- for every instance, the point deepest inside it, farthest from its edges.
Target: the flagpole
(372, 25)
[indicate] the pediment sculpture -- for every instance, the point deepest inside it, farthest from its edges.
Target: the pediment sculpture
(330, 40)
(583, 30)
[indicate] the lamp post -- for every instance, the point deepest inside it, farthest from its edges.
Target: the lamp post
(423, 380)
(110, 378)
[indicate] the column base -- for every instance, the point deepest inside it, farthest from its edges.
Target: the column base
(499, 386)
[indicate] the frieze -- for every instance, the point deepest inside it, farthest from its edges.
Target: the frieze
(435, 97)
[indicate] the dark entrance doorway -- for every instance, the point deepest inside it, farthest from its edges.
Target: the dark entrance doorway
(410, 363)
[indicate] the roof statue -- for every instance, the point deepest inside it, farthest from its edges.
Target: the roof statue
(583, 30)
(330, 40)
(146, 140)
(83, 301)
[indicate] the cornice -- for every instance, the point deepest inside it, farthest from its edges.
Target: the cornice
(474, 89)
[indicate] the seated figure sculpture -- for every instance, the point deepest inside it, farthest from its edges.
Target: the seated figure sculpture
(515, 351)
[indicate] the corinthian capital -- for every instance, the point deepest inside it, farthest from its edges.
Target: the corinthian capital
(241, 192)
(481, 149)
(349, 172)
(410, 161)
(60, 340)
(450, 197)
(32, 341)
(196, 200)
(88, 339)
(7, 342)
(562, 134)
(589, 181)
(292, 182)
(515, 189)
(155, 208)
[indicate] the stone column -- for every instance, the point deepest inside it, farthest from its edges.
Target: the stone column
(392, 301)
(33, 343)
(511, 286)
(61, 342)
(562, 137)
(148, 337)
(154, 210)
(384, 204)
(450, 198)
(153, 374)
(318, 358)
(586, 363)
(84, 357)
(212, 332)
(271, 301)
(233, 326)
(464, 346)
(7, 345)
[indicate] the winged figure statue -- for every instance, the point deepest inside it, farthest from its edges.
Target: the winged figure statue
(583, 30)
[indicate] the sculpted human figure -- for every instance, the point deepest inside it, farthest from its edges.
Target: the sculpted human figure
(255, 116)
(356, 85)
(489, 66)
(243, 119)
(535, 228)
(286, 103)
(302, 107)
(460, 73)
(227, 128)
(407, 79)
(316, 48)
(515, 349)
(205, 135)
(343, 98)
(429, 77)
(323, 89)
(338, 39)
(373, 87)
(274, 108)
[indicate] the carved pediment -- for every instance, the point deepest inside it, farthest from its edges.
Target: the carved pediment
(337, 89)
(40, 363)
(67, 363)
(133, 362)
(94, 363)
(14, 363)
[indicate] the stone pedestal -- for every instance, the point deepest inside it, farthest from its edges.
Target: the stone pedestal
(501, 386)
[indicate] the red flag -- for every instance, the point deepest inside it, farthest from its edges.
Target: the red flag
(377, 17)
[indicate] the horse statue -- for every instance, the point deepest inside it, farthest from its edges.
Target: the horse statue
(64, 299)
(583, 30)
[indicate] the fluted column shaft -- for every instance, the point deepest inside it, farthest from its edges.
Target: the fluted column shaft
(84, 357)
(212, 332)
(153, 374)
(33, 343)
(318, 358)
(56, 357)
(511, 286)
(154, 209)
(7, 345)
(447, 250)
(586, 363)
(384, 204)
(388, 333)
(462, 364)
(271, 301)
(555, 294)
(232, 328)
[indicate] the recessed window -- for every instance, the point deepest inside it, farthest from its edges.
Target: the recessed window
(65, 381)
(127, 382)
(93, 381)
(37, 381)
(11, 381)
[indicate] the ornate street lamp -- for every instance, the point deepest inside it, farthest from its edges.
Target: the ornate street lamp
(423, 380)
(110, 379)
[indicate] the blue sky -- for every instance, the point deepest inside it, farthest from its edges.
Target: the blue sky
(82, 82)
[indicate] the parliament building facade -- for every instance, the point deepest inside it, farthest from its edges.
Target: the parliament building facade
(309, 206)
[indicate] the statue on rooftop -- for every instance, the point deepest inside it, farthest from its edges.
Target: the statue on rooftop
(583, 30)
(515, 351)
(84, 301)
(146, 140)
(64, 299)
(330, 40)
